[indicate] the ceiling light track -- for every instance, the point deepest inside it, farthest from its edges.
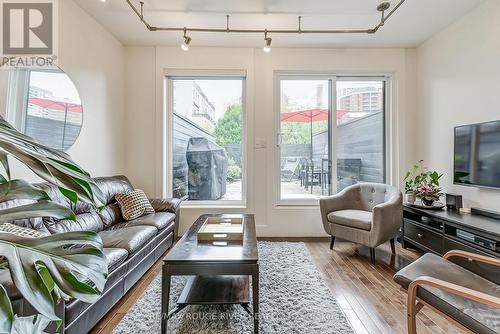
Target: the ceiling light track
(383, 8)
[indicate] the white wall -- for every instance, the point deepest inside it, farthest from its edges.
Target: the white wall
(140, 119)
(145, 73)
(459, 83)
(95, 61)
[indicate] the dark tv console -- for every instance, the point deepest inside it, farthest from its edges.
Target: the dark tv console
(441, 231)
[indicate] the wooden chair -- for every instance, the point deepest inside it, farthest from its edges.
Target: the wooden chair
(461, 295)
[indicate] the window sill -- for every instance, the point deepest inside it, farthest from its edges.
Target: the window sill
(286, 204)
(213, 205)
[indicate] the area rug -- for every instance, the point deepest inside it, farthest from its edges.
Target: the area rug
(293, 299)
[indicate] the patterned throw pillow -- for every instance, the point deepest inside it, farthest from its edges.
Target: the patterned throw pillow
(20, 231)
(134, 204)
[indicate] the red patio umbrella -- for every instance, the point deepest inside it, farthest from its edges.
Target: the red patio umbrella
(57, 105)
(310, 116)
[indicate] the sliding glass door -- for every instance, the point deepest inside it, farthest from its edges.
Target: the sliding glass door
(305, 111)
(331, 134)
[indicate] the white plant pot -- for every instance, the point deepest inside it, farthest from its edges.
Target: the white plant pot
(410, 198)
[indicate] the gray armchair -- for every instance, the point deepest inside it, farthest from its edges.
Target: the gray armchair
(366, 213)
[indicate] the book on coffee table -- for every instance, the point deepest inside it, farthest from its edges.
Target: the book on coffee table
(223, 228)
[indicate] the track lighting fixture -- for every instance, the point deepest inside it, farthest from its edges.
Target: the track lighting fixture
(384, 8)
(269, 40)
(187, 40)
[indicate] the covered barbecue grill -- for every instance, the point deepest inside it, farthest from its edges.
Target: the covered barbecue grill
(207, 169)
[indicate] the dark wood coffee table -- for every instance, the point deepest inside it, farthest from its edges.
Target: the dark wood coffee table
(220, 273)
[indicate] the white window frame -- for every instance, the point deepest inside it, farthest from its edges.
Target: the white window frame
(172, 75)
(333, 79)
(18, 91)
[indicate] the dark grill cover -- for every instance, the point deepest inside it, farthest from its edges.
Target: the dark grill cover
(207, 169)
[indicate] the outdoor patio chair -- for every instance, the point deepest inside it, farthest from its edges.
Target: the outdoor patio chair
(290, 168)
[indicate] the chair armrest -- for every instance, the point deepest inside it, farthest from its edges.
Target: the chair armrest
(455, 289)
(387, 219)
(471, 256)
(337, 202)
(166, 204)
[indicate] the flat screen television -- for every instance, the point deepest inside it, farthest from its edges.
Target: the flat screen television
(477, 155)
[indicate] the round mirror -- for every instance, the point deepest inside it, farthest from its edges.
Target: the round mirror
(44, 104)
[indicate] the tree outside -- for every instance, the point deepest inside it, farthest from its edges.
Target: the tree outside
(230, 127)
(228, 132)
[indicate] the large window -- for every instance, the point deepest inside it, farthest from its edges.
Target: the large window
(331, 135)
(208, 138)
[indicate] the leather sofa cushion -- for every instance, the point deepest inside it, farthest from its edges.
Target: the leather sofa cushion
(84, 222)
(115, 257)
(165, 204)
(353, 218)
(475, 316)
(33, 223)
(160, 220)
(113, 185)
(111, 215)
(129, 238)
(117, 268)
(115, 285)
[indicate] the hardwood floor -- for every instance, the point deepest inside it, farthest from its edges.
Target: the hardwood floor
(370, 299)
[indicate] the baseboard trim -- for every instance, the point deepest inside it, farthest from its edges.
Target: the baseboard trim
(294, 239)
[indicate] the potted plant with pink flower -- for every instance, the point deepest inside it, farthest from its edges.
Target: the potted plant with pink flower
(423, 184)
(428, 194)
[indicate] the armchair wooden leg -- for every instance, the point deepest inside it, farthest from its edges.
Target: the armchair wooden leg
(372, 255)
(413, 307)
(393, 245)
(412, 322)
(332, 241)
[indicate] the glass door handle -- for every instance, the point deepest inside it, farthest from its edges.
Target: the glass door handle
(279, 139)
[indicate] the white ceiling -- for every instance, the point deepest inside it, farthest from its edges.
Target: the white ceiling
(413, 23)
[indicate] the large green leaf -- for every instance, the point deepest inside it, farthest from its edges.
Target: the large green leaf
(69, 267)
(69, 194)
(51, 171)
(12, 324)
(45, 267)
(32, 324)
(51, 165)
(20, 189)
(35, 210)
(5, 163)
(6, 313)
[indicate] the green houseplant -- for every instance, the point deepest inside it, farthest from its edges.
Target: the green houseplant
(45, 270)
(422, 184)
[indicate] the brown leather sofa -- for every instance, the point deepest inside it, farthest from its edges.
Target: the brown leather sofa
(131, 248)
